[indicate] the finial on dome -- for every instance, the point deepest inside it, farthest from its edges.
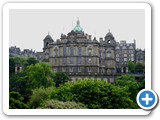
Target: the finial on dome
(109, 29)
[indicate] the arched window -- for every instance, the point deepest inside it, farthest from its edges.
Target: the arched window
(108, 54)
(71, 51)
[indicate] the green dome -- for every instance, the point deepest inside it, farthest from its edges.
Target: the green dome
(78, 28)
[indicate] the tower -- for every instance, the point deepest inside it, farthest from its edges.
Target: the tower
(46, 47)
(110, 45)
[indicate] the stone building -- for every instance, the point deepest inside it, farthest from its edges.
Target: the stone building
(124, 52)
(140, 56)
(80, 56)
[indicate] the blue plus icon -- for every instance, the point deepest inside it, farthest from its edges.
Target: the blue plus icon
(147, 99)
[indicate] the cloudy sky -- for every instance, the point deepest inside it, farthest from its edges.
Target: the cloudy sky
(28, 28)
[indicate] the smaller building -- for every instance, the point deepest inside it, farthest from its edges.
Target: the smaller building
(125, 52)
(140, 56)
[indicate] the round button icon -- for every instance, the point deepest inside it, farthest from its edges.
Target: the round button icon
(147, 99)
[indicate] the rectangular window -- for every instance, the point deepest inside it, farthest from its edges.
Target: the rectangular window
(63, 70)
(64, 61)
(71, 69)
(79, 60)
(55, 69)
(72, 60)
(79, 69)
(64, 51)
(125, 59)
(89, 69)
(79, 51)
(71, 51)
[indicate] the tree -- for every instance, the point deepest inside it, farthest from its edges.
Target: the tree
(61, 78)
(39, 96)
(32, 61)
(16, 101)
(139, 68)
(94, 94)
(55, 104)
(11, 66)
(33, 76)
(131, 66)
(129, 82)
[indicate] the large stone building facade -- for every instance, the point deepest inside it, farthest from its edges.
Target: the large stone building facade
(80, 56)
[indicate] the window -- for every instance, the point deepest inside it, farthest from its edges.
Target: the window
(72, 60)
(125, 59)
(117, 55)
(55, 52)
(63, 69)
(71, 69)
(79, 69)
(55, 60)
(79, 60)
(79, 51)
(89, 69)
(71, 51)
(125, 55)
(64, 51)
(64, 61)
(89, 60)
(109, 41)
(89, 52)
(108, 54)
(132, 59)
(117, 59)
(132, 55)
(55, 69)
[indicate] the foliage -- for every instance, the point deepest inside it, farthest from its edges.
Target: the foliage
(55, 104)
(94, 94)
(139, 67)
(136, 67)
(16, 101)
(11, 66)
(131, 66)
(32, 61)
(61, 78)
(39, 95)
(129, 82)
(33, 76)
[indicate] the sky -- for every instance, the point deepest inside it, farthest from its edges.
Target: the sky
(28, 28)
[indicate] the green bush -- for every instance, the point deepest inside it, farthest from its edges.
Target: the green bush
(94, 94)
(39, 95)
(16, 101)
(55, 104)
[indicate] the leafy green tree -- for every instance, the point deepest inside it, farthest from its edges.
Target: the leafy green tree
(94, 94)
(32, 61)
(20, 61)
(55, 104)
(11, 66)
(139, 67)
(39, 96)
(61, 78)
(129, 82)
(131, 66)
(33, 76)
(16, 101)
